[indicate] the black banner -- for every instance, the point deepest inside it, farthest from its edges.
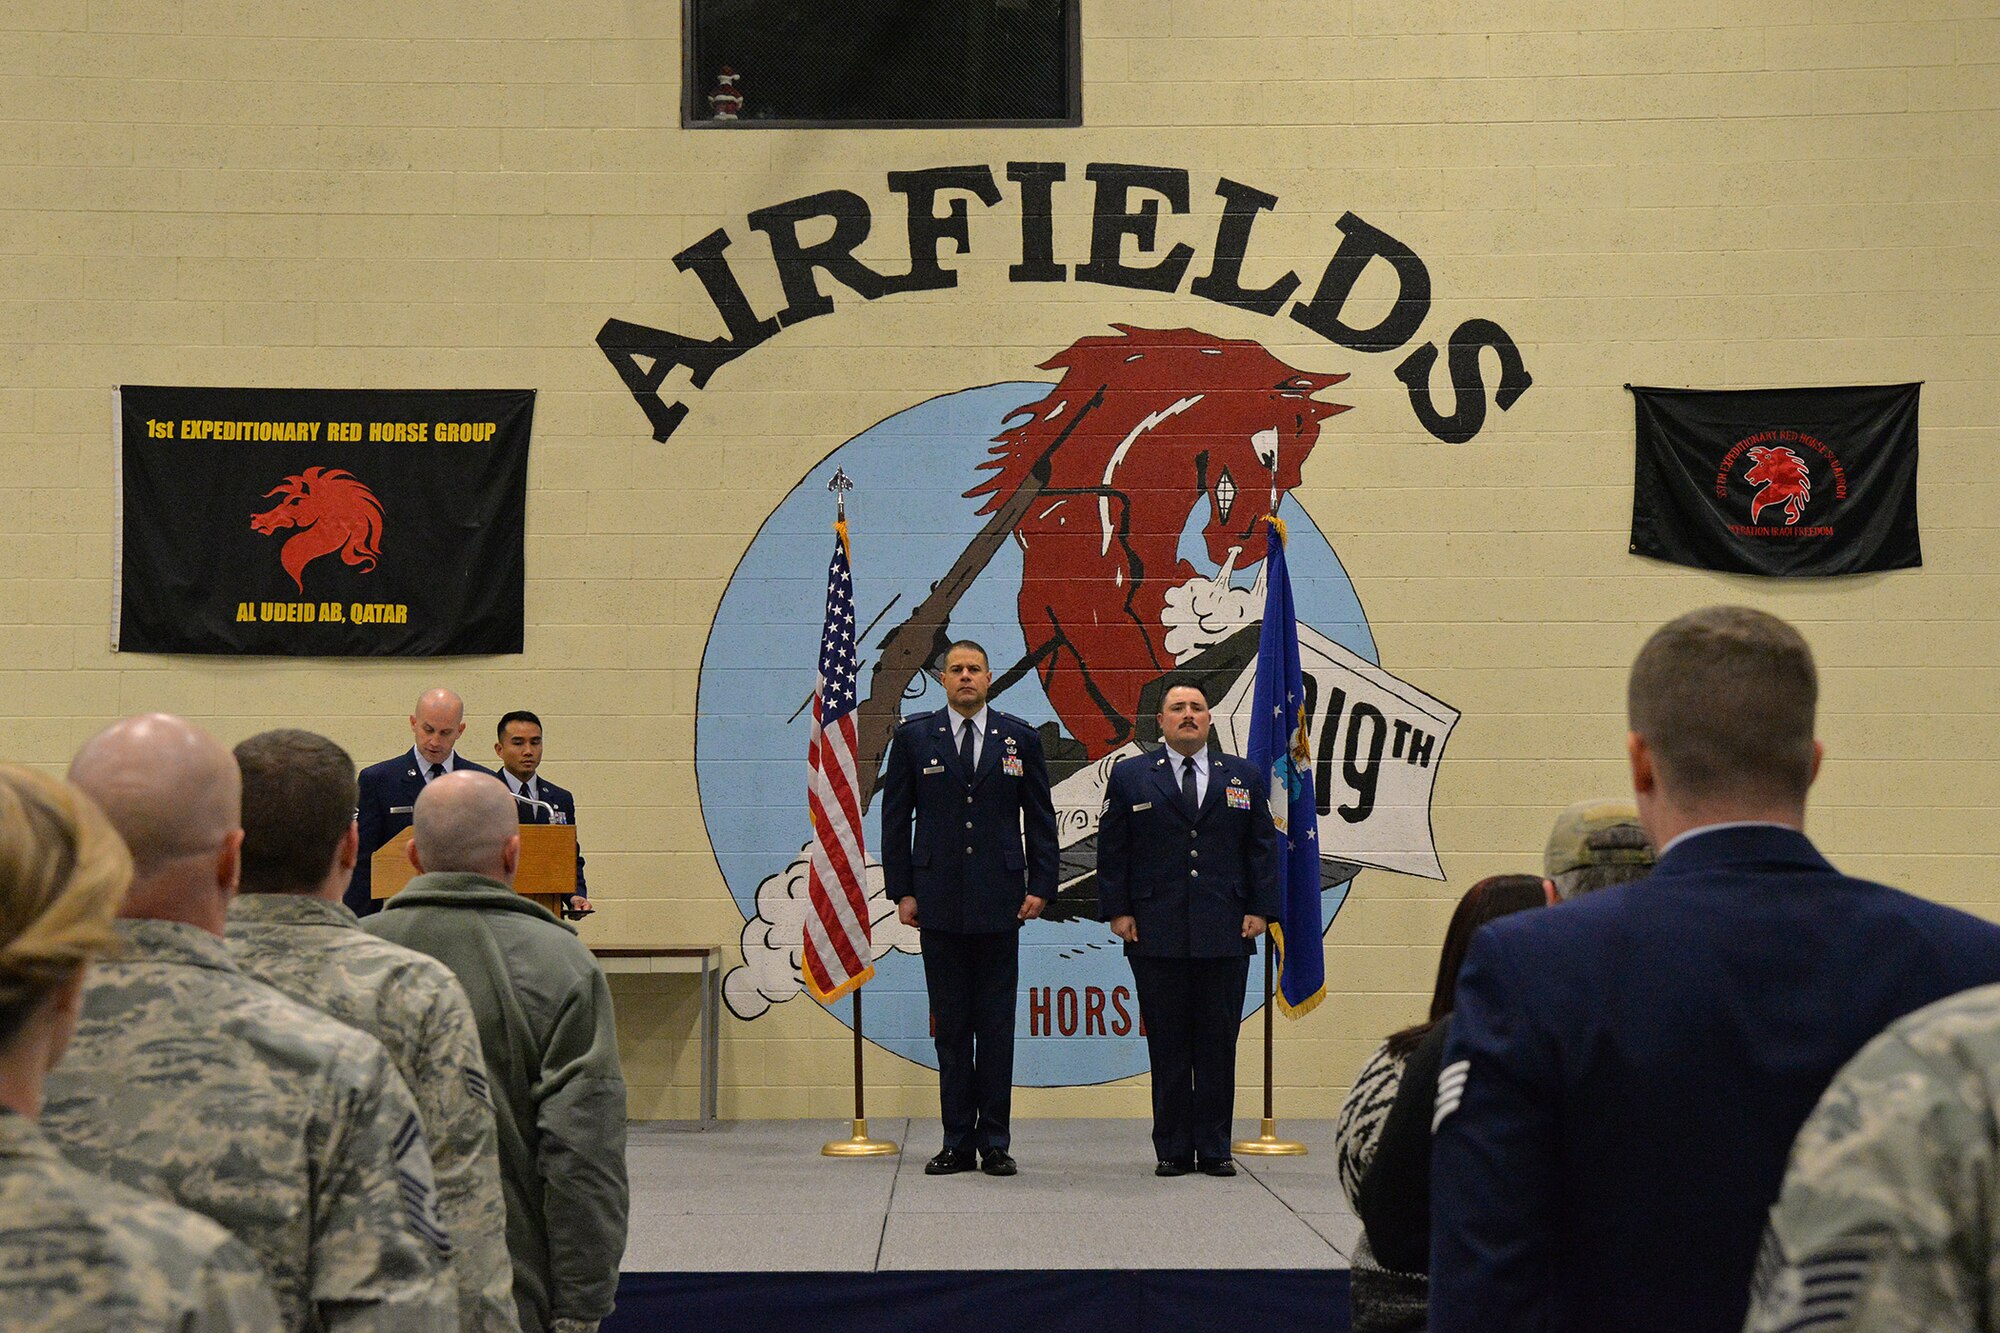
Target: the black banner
(322, 522)
(1787, 482)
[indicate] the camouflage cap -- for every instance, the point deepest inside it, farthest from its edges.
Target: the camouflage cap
(1569, 842)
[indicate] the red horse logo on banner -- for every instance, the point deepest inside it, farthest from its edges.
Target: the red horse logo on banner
(333, 512)
(1144, 430)
(1785, 480)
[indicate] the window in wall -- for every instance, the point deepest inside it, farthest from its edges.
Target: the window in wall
(880, 63)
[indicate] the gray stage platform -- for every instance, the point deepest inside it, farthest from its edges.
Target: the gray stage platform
(757, 1196)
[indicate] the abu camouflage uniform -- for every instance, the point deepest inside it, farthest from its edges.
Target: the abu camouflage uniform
(79, 1253)
(1890, 1214)
(193, 1082)
(316, 952)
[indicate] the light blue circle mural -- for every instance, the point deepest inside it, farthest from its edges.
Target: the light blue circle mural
(1077, 1019)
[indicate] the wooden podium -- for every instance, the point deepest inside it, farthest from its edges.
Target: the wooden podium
(547, 872)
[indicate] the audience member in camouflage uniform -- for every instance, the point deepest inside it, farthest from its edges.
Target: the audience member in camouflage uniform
(551, 1045)
(192, 1081)
(289, 928)
(1887, 1219)
(78, 1253)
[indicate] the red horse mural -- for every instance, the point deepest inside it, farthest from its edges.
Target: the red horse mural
(1144, 429)
(333, 512)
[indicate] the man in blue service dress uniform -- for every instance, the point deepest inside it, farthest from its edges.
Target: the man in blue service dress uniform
(520, 750)
(389, 790)
(1187, 875)
(969, 854)
(1626, 1071)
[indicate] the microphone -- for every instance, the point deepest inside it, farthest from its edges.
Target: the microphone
(551, 816)
(550, 813)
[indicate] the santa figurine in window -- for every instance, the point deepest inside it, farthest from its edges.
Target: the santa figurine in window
(726, 102)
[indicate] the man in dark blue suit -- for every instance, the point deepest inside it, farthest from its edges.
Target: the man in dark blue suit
(1626, 1071)
(389, 789)
(1187, 875)
(969, 854)
(520, 749)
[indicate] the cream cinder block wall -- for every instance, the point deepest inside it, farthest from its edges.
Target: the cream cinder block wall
(459, 194)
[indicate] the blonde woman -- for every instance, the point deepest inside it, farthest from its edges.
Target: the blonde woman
(78, 1253)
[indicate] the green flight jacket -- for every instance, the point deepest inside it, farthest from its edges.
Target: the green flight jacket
(551, 1046)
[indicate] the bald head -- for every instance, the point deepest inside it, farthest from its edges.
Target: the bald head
(175, 796)
(437, 723)
(466, 821)
(442, 703)
(170, 788)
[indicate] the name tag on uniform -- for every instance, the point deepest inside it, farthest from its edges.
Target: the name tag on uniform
(934, 768)
(1010, 764)
(402, 809)
(1143, 805)
(1238, 797)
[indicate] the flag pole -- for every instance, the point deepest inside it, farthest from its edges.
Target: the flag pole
(1267, 1143)
(857, 1144)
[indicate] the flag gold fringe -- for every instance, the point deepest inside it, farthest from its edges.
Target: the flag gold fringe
(1303, 1007)
(852, 983)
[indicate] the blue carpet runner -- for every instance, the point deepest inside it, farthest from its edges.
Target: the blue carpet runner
(1135, 1300)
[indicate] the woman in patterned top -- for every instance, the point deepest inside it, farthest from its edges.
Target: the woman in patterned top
(1385, 1300)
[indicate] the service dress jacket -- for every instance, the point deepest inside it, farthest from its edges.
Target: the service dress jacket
(967, 847)
(1626, 1073)
(1188, 878)
(389, 792)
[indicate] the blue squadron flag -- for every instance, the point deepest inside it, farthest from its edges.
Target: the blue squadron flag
(1278, 746)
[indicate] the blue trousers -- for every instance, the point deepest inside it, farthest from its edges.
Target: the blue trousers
(1193, 1009)
(972, 981)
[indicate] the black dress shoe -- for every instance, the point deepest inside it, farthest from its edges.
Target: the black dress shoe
(950, 1162)
(998, 1163)
(1166, 1168)
(1220, 1167)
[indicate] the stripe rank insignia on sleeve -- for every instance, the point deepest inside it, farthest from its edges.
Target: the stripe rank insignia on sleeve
(1821, 1292)
(419, 1186)
(475, 1083)
(1451, 1087)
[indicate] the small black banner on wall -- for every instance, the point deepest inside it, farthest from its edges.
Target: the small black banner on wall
(1787, 482)
(321, 522)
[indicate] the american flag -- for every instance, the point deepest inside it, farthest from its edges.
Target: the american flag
(838, 957)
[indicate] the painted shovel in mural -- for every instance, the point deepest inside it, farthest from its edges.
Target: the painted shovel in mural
(1096, 534)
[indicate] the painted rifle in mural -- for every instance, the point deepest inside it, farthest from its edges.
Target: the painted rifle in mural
(921, 639)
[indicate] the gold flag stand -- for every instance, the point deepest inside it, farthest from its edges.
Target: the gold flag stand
(1267, 1143)
(859, 1144)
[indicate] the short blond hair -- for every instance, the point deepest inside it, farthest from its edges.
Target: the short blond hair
(63, 873)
